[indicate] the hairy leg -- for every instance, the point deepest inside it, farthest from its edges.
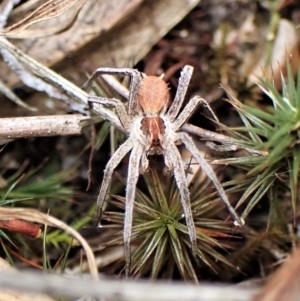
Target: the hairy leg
(188, 142)
(183, 84)
(189, 110)
(117, 104)
(136, 78)
(132, 178)
(109, 169)
(172, 157)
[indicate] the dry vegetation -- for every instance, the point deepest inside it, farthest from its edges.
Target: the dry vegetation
(54, 148)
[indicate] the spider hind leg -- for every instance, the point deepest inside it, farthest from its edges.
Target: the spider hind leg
(132, 178)
(174, 164)
(107, 177)
(188, 142)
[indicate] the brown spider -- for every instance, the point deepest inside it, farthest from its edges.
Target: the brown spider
(153, 128)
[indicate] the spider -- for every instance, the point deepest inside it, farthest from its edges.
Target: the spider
(153, 127)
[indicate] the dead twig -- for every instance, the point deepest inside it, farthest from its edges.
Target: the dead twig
(122, 290)
(42, 126)
(32, 215)
(22, 227)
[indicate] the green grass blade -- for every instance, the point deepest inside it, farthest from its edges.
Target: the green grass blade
(160, 256)
(177, 250)
(257, 196)
(151, 246)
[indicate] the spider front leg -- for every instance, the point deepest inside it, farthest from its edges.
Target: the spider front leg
(174, 163)
(117, 104)
(136, 78)
(189, 143)
(189, 110)
(183, 84)
(108, 172)
(132, 178)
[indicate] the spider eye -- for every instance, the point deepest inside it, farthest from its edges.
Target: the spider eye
(155, 142)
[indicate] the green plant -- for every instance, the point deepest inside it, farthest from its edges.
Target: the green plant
(276, 131)
(36, 188)
(160, 242)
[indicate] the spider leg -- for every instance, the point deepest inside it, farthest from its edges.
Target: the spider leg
(188, 111)
(206, 104)
(112, 71)
(116, 85)
(188, 142)
(144, 163)
(132, 178)
(133, 108)
(119, 106)
(173, 162)
(110, 167)
(183, 84)
(136, 78)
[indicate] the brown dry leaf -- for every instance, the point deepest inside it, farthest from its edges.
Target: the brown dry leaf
(284, 283)
(48, 10)
(118, 33)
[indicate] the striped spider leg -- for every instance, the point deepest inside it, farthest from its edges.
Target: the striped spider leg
(154, 129)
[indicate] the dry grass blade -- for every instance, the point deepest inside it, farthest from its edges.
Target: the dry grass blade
(48, 10)
(33, 215)
(13, 97)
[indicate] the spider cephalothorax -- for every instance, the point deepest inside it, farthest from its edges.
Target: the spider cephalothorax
(153, 126)
(154, 130)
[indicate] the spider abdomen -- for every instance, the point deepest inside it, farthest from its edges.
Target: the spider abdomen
(153, 94)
